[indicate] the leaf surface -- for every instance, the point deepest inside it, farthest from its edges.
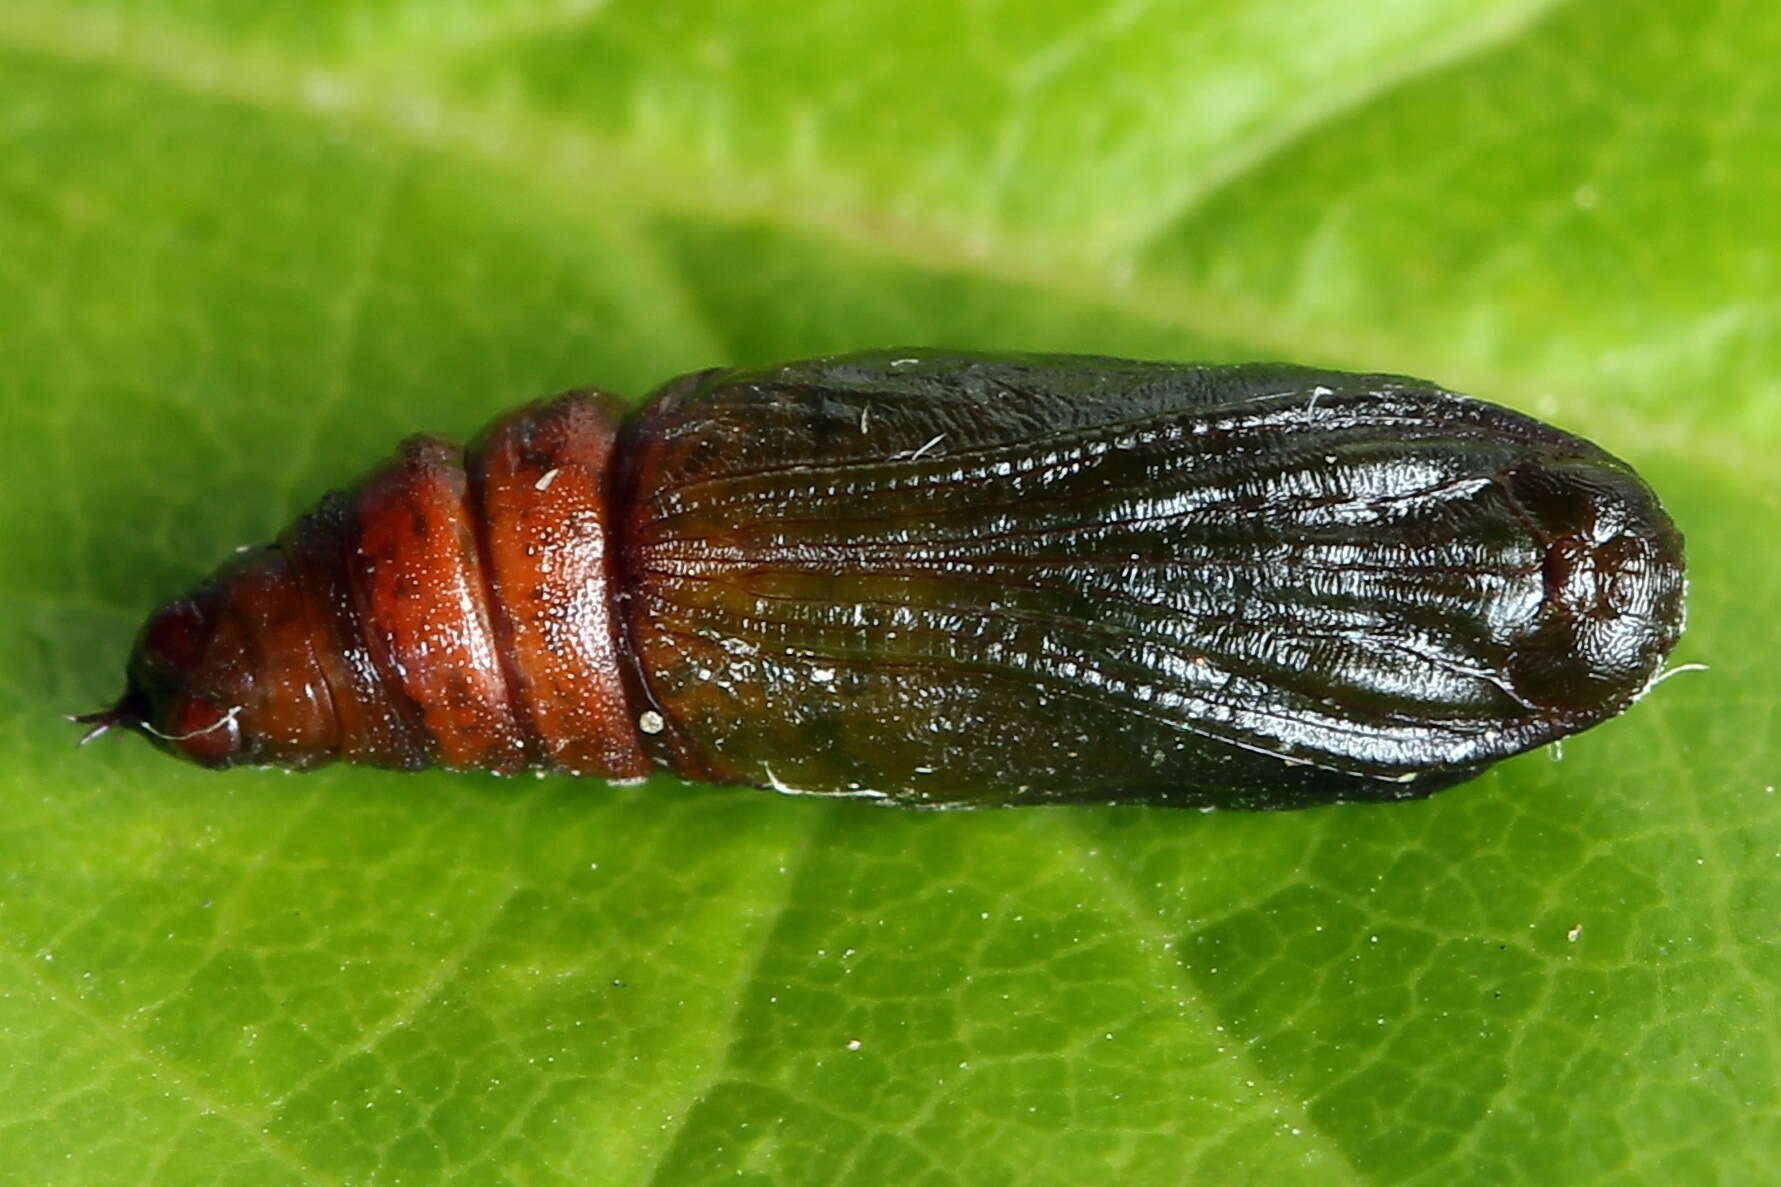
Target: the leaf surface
(245, 247)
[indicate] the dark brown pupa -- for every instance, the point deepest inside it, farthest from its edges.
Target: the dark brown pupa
(946, 579)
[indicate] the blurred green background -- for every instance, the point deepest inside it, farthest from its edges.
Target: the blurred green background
(246, 245)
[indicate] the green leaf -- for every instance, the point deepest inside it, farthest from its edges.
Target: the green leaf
(246, 246)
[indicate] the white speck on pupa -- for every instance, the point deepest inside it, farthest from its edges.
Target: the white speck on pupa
(650, 722)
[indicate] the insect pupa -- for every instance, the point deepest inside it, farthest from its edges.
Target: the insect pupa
(946, 579)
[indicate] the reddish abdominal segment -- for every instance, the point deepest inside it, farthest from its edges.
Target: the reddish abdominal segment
(542, 477)
(451, 610)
